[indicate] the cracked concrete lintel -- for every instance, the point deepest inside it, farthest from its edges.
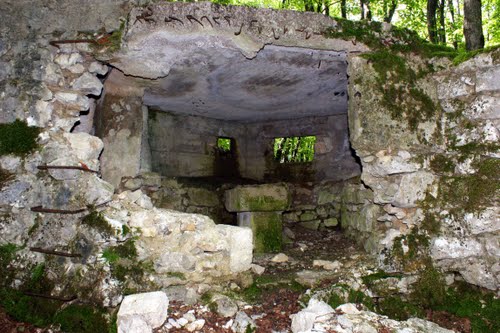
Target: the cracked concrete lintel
(158, 35)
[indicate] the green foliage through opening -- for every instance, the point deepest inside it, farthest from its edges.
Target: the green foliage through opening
(294, 149)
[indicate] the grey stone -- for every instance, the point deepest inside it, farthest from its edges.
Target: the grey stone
(487, 80)
(413, 187)
(98, 68)
(304, 320)
(202, 197)
(14, 192)
(10, 162)
(88, 84)
(225, 306)
(454, 248)
(73, 100)
(175, 262)
(152, 308)
(312, 225)
(243, 323)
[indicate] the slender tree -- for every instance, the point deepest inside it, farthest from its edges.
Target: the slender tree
(473, 29)
(442, 23)
(389, 13)
(343, 8)
(431, 20)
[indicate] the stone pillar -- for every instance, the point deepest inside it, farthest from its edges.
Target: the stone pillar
(260, 208)
(120, 124)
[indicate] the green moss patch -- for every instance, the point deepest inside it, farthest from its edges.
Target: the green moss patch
(266, 284)
(472, 193)
(97, 221)
(126, 250)
(18, 138)
(397, 84)
(82, 319)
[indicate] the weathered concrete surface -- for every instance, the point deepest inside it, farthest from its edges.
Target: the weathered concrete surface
(236, 63)
(258, 198)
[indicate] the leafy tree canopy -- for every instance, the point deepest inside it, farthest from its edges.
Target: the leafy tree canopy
(412, 14)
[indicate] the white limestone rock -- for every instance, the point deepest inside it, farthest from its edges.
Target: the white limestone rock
(152, 308)
(257, 269)
(98, 68)
(240, 246)
(454, 248)
(88, 84)
(387, 164)
(66, 60)
(326, 264)
(10, 162)
(280, 258)
(486, 221)
(487, 80)
(303, 321)
(241, 323)
(348, 308)
(134, 325)
(73, 100)
(413, 187)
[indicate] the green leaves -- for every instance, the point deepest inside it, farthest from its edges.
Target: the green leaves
(294, 149)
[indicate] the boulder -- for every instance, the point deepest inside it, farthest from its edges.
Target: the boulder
(142, 311)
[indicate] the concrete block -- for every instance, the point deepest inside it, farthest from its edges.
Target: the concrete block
(258, 198)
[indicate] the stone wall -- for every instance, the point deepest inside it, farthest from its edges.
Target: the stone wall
(434, 174)
(332, 160)
(59, 215)
(185, 146)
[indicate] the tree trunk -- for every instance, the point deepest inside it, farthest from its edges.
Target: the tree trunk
(431, 20)
(309, 5)
(453, 23)
(343, 8)
(368, 10)
(442, 26)
(392, 10)
(473, 25)
(326, 4)
(362, 8)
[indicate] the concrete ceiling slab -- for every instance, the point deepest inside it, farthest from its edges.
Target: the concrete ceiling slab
(279, 83)
(236, 63)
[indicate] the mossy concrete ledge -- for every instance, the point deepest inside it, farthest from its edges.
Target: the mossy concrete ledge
(267, 229)
(258, 198)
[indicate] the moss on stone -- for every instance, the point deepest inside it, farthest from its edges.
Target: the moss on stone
(429, 290)
(110, 43)
(18, 138)
(431, 223)
(267, 228)
(178, 275)
(397, 82)
(440, 164)
(397, 308)
(126, 250)
(474, 192)
(7, 255)
(82, 319)
(368, 280)
(97, 221)
(410, 251)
